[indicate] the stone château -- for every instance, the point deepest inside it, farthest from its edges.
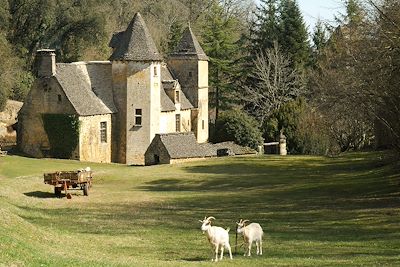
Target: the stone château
(121, 104)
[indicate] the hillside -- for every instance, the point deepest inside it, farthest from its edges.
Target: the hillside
(315, 211)
(8, 117)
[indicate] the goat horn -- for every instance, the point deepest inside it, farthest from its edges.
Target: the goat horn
(209, 218)
(245, 221)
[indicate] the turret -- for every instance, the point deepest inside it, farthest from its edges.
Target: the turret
(189, 65)
(136, 88)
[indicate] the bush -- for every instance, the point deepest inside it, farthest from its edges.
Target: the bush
(63, 133)
(286, 118)
(306, 131)
(239, 127)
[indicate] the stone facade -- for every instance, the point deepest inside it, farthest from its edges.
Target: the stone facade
(123, 103)
(91, 145)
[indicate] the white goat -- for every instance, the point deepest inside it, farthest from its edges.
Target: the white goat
(251, 233)
(217, 236)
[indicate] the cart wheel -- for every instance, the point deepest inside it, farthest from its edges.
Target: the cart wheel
(57, 191)
(86, 189)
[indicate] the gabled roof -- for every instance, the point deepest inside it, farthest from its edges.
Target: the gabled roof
(135, 43)
(168, 82)
(76, 85)
(166, 102)
(188, 46)
(184, 145)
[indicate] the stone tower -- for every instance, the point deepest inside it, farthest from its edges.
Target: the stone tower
(189, 64)
(136, 88)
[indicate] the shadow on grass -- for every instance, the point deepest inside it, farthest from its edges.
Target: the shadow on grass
(40, 194)
(195, 259)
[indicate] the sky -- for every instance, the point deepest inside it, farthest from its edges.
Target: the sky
(323, 9)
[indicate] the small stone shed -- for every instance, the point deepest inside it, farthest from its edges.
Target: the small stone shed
(179, 147)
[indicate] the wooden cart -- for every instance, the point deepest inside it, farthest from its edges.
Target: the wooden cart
(64, 180)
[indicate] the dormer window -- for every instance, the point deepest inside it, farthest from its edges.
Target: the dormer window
(177, 97)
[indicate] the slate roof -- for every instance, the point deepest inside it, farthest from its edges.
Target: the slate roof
(166, 102)
(188, 46)
(184, 145)
(168, 82)
(185, 103)
(135, 43)
(77, 88)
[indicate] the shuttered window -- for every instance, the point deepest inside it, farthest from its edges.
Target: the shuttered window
(138, 117)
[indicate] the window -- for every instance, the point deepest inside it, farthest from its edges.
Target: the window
(138, 117)
(155, 71)
(202, 124)
(178, 122)
(103, 132)
(59, 98)
(190, 74)
(177, 97)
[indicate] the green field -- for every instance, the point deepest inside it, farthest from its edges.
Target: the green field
(315, 211)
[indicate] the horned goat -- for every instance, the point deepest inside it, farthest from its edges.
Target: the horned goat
(251, 233)
(217, 236)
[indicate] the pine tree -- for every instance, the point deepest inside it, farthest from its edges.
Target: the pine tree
(264, 30)
(219, 45)
(320, 39)
(293, 37)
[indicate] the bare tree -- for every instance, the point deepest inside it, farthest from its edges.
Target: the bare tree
(275, 84)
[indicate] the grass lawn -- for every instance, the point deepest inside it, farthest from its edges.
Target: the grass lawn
(315, 211)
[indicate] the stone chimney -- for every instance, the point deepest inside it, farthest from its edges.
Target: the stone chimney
(46, 63)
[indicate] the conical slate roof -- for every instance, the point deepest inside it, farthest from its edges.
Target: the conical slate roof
(135, 43)
(188, 46)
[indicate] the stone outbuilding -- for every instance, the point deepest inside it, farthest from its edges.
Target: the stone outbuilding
(176, 147)
(179, 147)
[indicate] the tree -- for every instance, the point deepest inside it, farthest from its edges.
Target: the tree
(67, 25)
(10, 67)
(320, 39)
(265, 29)
(293, 37)
(339, 86)
(276, 83)
(381, 68)
(219, 45)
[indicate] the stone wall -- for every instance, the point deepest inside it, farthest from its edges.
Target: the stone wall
(168, 121)
(157, 153)
(91, 148)
(136, 86)
(43, 98)
(193, 78)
